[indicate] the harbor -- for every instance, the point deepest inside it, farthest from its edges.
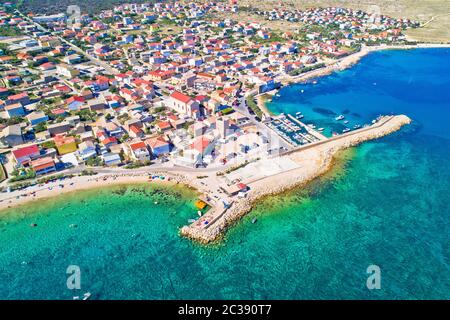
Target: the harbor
(295, 167)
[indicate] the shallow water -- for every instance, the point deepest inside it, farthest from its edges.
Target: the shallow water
(387, 203)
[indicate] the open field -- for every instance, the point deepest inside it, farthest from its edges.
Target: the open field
(434, 14)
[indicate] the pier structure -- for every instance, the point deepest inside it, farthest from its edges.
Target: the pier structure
(274, 175)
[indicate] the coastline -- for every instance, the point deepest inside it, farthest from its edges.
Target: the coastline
(322, 163)
(83, 183)
(350, 60)
(340, 65)
(315, 160)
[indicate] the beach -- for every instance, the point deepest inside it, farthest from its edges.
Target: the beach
(78, 183)
(319, 162)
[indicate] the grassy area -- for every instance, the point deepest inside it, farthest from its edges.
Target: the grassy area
(250, 100)
(10, 32)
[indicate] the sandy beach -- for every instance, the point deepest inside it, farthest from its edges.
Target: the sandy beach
(78, 183)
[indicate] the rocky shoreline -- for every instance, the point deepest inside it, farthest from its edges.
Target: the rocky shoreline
(323, 153)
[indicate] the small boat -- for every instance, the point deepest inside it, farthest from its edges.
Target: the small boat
(302, 91)
(73, 225)
(340, 117)
(320, 129)
(191, 220)
(346, 121)
(86, 296)
(345, 130)
(254, 220)
(199, 213)
(156, 202)
(76, 298)
(356, 126)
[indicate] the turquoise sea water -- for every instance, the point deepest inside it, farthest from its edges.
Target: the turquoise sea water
(387, 203)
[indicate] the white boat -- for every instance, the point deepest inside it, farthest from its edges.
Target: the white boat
(345, 130)
(340, 117)
(302, 91)
(199, 213)
(86, 296)
(320, 129)
(346, 121)
(356, 126)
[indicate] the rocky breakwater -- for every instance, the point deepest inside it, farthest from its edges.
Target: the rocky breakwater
(313, 161)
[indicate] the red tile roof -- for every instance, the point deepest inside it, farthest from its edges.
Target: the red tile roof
(200, 144)
(42, 163)
(137, 145)
(156, 142)
(181, 97)
(26, 151)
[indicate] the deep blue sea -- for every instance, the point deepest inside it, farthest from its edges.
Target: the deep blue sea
(414, 82)
(387, 203)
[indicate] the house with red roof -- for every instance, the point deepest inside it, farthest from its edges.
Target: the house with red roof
(138, 151)
(184, 104)
(163, 126)
(74, 103)
(158, 145)
(22, 98)
(43, 166)
(109, 141)
(202, 145)
(135, 132)
(24, 155)
(47, 66)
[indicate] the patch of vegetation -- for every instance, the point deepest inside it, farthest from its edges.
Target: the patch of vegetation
(54, 178)
(250, 100)
(94, 162)
(88, 173)
(135, 165)
(40, 127)
(22, 174)
(48, 144)
(7, 31)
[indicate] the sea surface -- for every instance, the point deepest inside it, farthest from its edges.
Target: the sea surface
(386, 203)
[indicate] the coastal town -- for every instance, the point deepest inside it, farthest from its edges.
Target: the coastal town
(168, 92)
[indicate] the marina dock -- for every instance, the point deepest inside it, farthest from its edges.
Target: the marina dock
(310, 130)
(311, 160)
